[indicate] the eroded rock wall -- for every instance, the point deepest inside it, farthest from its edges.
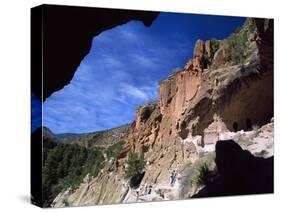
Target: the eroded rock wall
(215, 92)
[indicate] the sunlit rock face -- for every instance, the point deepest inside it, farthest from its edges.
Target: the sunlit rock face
(238, 94)
(216, 92)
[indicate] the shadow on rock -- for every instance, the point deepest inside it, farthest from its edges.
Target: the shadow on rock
(239, 172)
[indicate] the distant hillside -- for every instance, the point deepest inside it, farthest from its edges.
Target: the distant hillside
(103, 138)
(50, 141)
(49, 135)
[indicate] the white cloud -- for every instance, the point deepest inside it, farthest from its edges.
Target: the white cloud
(142, 93)
(142, 60)
(133, 91)
(111, 62)
(128, 35)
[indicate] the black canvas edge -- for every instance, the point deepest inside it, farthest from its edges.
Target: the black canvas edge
(36, 21)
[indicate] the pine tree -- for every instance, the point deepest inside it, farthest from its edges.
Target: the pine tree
(136, 164)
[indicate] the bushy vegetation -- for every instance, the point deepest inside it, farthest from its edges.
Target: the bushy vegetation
(114, 150)
(215, 44)
(135, 168)
(66, 165)
(203, 170)
(238, 29)
(252, 26)
(237, 45)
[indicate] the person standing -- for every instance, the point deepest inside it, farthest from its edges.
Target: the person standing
(173, 178)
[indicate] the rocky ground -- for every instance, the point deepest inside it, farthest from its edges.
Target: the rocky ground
(258, 141)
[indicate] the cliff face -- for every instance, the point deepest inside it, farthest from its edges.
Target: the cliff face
(226, 87)
(222, 83)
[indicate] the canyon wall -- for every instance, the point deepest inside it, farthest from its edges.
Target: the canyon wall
(218, 90)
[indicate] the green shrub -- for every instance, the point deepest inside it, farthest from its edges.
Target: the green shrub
(200, 175)
(252, 26)
(203, 170)
(237, 44)
(238, 29)
(135, 168)
(94, 162)
(135, 164)
(215, 44)
(114, 150)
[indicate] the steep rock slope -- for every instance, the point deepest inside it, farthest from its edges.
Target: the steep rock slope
(226, 86)
(69, 157)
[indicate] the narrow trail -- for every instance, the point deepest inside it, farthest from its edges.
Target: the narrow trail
(163, 190)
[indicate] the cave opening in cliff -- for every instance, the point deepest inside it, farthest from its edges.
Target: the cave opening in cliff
(248, 124)
(235, 126)
(136, 180)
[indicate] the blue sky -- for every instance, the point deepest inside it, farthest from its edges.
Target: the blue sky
(123, 68)
(36, 113)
